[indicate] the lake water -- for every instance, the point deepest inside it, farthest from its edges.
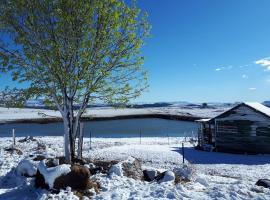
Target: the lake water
(149, 127)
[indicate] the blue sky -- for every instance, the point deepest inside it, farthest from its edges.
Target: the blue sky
(205, 50)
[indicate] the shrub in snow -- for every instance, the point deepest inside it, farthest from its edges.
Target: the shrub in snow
(50, 174)
(186, 172)
(13, 150)
(27, 139)
(130, 168)
(26, 168)
(41, 146)
(167, 176)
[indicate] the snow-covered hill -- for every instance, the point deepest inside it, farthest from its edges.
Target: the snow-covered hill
(11, 114)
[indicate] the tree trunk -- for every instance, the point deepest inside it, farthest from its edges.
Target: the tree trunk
(71, 126)
(67, 142)
(69, 138)
(80, 141)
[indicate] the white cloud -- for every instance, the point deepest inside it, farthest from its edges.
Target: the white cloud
(265, 62)
(224, 68)
(242, 66)
(252, 88)
(245, 76)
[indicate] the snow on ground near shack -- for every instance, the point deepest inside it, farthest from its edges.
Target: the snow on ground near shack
(217, 175)
(10, 114)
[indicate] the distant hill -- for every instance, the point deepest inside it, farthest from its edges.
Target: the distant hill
(39, 103)
(150, 105)
(266, 103)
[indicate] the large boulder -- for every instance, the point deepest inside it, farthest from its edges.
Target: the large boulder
(264, 183)
(26, 168)
(167, 176)
(62, 176)
(46, 176)
(77, 178)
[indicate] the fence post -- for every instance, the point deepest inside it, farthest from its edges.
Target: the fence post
(13, 136)
(90, 137)
(140, 136)
(183, 152)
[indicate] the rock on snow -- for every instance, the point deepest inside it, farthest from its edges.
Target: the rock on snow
(167, 176)
(50, 174)
(26, 168)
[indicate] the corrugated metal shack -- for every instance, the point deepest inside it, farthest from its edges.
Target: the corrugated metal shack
(244, 129)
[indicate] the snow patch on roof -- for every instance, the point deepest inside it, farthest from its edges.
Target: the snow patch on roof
(203, 120)
(259, 107)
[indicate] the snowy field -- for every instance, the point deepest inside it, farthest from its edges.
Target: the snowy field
(216, 175)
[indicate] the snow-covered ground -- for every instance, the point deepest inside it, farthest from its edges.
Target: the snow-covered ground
(217, 175)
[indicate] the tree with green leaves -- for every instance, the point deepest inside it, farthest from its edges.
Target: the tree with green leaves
(74, 52)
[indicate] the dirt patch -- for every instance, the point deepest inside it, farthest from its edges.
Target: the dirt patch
(102, 166)
(13, 150)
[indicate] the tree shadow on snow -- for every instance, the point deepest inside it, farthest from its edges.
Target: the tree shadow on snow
(195, 156)
(16, 187)
(23, 192)
(12, 180)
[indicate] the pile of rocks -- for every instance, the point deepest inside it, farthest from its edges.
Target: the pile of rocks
(54, 174)
(132, 168)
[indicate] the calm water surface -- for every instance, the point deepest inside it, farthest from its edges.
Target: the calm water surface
(149, 127)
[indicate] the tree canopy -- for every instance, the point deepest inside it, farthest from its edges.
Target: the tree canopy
(74, 51)
(82, 49)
